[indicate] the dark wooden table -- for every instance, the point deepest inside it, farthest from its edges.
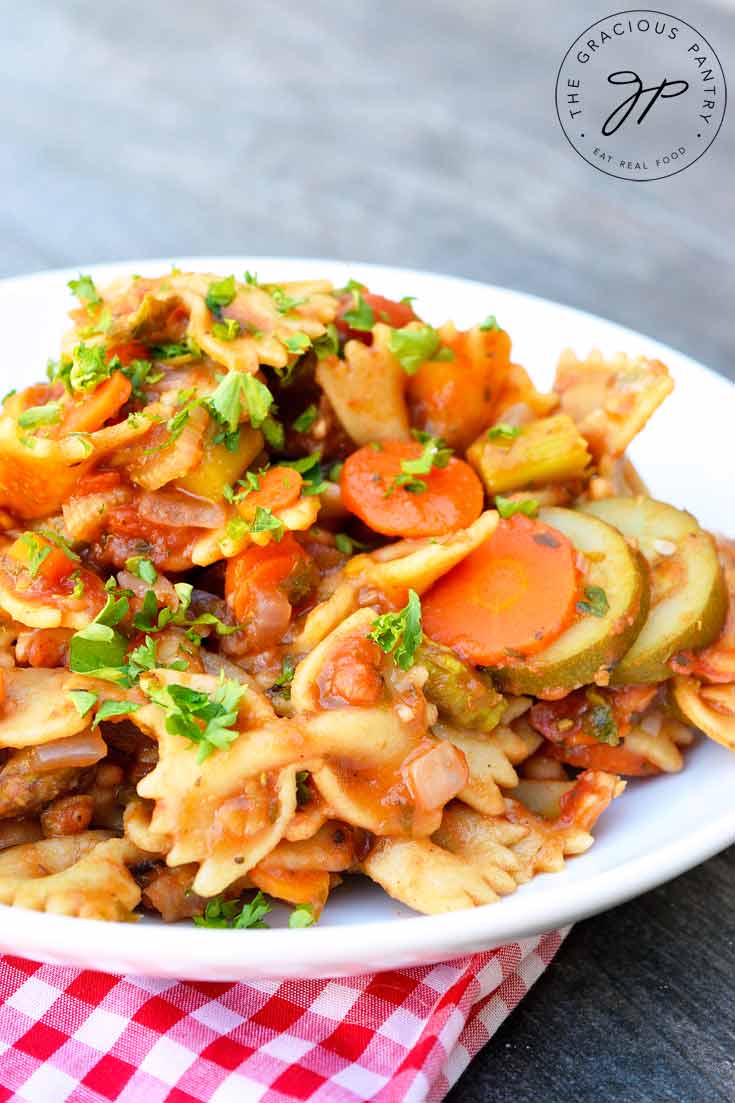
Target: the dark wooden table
(417, 133)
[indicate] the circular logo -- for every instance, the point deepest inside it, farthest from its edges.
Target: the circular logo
(641, 95)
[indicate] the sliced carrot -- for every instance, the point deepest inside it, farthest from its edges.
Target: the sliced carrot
(510, 598)
(279, 488)
(455, 399)
(284, 565)
(91, 411)
(599, 756)
(55, 565)
(451, 500)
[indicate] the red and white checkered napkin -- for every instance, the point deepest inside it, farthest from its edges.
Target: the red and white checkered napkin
(84, 1037)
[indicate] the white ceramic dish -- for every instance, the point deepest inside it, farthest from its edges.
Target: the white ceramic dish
(660, 827)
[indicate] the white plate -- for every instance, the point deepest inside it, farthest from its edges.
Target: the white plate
(658, 829)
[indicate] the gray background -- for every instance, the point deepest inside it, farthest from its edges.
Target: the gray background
(423, 134)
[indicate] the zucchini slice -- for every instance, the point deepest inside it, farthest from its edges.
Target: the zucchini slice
(688, 594)
(594, 643)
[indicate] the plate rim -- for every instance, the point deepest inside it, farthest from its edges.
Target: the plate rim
(404, 940)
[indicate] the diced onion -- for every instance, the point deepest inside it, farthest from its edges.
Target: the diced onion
(181, 511)
(77, 751)
(437, 776)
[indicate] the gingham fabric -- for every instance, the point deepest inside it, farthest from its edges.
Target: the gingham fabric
(83, 1037)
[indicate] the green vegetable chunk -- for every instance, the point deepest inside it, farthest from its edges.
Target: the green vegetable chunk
(463, 695)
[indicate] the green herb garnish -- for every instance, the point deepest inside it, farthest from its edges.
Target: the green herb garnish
(220, 293)
(220, 913)
(301, 916)
(508, 507)
(142, 568)
(414, 344)
(399, 634)
(502, 431)
(595, 603)
(306, 419)
(35, 416)
(206, 720)
(226, 330)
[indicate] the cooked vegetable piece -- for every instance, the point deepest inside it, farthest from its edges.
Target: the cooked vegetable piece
(688, 594)
(220, 467)
(462, 695)
(592, 644)
(511, 597)
(276, 488)
(451, 500)
(549, 450)
(90, 411)
(455, 398)
(282, 570)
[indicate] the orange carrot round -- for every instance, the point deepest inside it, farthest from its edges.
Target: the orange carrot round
(91, 411)
(279, 488)
(510, 598)
(277, 566)
(450, 499)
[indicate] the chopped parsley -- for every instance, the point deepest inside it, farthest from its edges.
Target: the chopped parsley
(60, 543)
(284, 303)
(238, 393)
(599, 721)
(83, 700)
(141, 373)
(306, 419)
(266, 521)
(98, 649)
(414, 344)
(297, 343)
(187, 347)
(310, 468)
(335, 471)
(35, 416)
(220, 293)
(142, 568)
(435, 453)
(226, 330)
(595, 603)
(327, 344)
(36, 550)
(301, 916)
(205, 719)
(115, 708)
(490, 325)
(85, 291)
(361, 315)
(153, 619)
(508, 507)
(247, 485)
(89, 367)
(399, 634)
(273, 432)
(502, 431)
(284, 679)
(223, 914)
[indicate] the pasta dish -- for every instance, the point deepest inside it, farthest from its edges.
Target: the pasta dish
(295, 585)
